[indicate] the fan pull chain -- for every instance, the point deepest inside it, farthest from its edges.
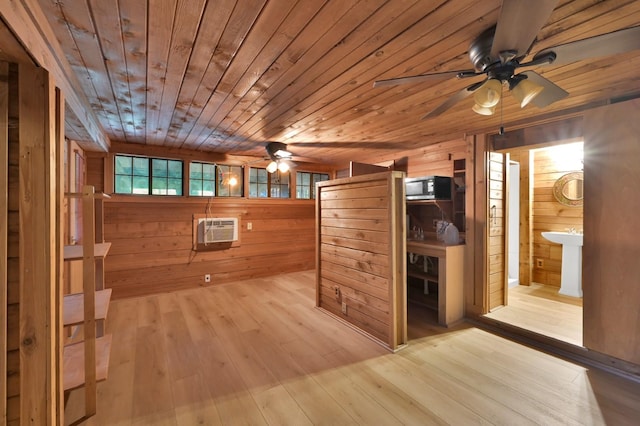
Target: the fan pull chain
(501, 131)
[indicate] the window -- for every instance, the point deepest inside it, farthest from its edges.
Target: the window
(202, 179)
(144, 175)
(263, 184)
(230, 181)
(306, 184)
(207, 180)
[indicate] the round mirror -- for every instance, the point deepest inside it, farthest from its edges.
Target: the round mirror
(569, 190)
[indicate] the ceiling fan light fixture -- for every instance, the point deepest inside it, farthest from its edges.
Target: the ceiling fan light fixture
(272, 167)
(488, 95)
(283, 167)
(483, 110)
(525, 90)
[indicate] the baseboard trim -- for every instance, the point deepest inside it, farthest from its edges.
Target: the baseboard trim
(552, 346)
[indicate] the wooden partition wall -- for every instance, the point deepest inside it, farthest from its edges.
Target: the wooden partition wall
(360, 260)
(611, 271)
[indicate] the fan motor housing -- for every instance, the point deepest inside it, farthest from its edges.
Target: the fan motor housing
(480, 50)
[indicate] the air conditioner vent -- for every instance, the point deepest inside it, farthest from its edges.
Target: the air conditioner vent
(217, 230)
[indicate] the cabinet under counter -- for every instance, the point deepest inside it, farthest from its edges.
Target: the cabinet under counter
(450, 273)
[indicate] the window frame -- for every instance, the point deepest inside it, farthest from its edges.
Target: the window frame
(270, 184)
(150, 176)
(312, 183)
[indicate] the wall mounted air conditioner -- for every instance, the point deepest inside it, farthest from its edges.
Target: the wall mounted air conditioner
(217, 230)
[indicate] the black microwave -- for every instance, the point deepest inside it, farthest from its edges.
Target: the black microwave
(428, 188)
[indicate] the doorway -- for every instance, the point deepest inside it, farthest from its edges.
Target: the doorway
(534, 264)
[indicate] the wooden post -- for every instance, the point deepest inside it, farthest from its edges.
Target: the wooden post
(4, 224)
(88, 288)
(38, 230)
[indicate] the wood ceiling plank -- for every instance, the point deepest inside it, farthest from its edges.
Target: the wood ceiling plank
(106, 18)
(270, 18)
(238, 27)
(160, 23)
(346, 74)
(301, 55)
(29, 24)
(133, 21)
(77, 31)
(246, 75)
(362, 97)
(189, 106)
(188, 20)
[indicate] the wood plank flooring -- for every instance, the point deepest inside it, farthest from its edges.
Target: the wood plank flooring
(539, 308)
(258, 352)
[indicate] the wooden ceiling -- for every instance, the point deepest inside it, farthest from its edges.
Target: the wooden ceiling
(227, 76)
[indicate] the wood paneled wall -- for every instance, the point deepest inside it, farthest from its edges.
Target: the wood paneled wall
(496, 246)
(32, 258)
(611, 270)
(547, 214)
(151, 242)
(361, 260)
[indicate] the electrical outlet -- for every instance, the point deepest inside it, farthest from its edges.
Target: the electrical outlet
(540, 263)
(336, 289)
(207, 278)
(249, 226)
(344, 308)
(435, 223)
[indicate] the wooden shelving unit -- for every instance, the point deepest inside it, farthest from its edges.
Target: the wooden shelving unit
(87, 362)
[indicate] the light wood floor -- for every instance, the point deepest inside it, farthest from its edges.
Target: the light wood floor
(258, 352)
(539, 308)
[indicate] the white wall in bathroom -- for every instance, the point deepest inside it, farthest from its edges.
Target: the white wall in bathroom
(514, 223)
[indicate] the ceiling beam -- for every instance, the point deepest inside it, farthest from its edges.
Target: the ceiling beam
(28, 23)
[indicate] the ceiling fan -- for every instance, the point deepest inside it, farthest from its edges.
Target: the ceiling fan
(499, 51)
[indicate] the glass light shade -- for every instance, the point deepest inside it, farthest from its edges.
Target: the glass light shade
(233, 181)
(283, 167)
(488, 95)
(281, 153)
(525, 91)
(483, 110)
(272, 167)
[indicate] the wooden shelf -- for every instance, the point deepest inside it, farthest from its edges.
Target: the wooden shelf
(73, 307)
(75, 252)
(416, 273)
(73, 362)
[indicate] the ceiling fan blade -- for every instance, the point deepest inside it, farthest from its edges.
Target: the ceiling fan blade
(453, 100)
(551, 92)
(620, 41)
(424, 77)
(519, 23)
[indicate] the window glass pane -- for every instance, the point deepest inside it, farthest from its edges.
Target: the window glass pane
(140, 166)
(123, 184)
(208, 188)
(159, 168)
(208, 171)
(262, 175)
(175, 168)
(195, 171)
(262, 190)
(140, 185)
(305, 179)
(195, 187)
(253, 190)
(236, 191)
(123, 165)
(159, 187)
(174, 186)
(253, 175)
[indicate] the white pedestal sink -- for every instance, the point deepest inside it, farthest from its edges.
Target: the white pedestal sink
(571, 275)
